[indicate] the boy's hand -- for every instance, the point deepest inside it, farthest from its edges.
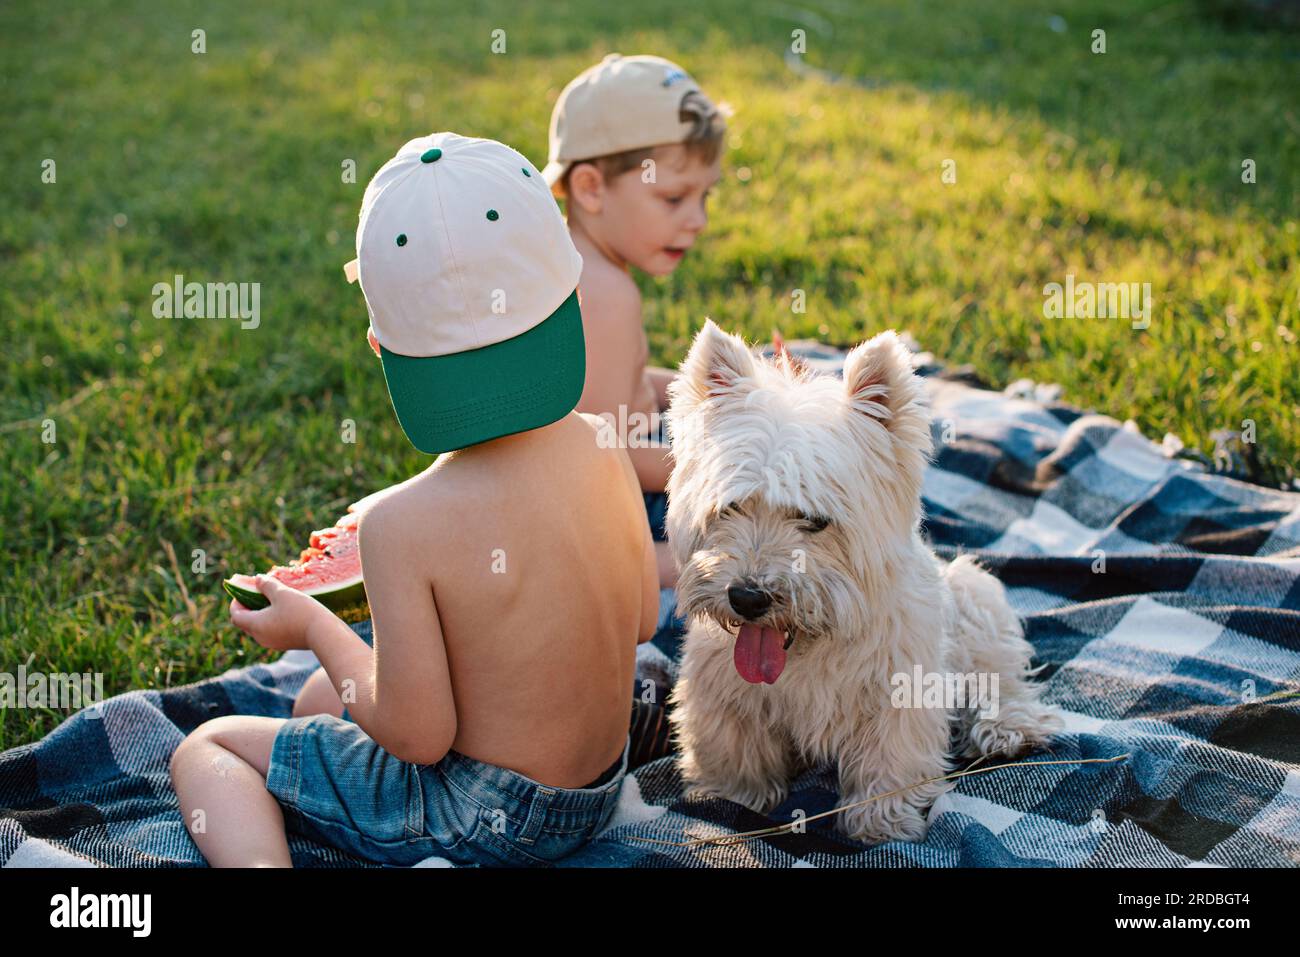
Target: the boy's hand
(283, 624)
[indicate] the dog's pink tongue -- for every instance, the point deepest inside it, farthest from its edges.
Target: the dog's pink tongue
(760, 655)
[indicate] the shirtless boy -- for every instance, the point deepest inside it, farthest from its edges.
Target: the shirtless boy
(635, 148)
(489, 723)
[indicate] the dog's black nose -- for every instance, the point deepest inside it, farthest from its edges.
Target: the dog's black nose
(749, 602)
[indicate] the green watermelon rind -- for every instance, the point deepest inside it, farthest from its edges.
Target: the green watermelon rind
(252, 600)
(342, 598)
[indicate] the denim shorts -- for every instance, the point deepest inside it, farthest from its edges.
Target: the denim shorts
(337, 786)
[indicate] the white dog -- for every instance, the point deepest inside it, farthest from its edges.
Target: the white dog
(794, 507)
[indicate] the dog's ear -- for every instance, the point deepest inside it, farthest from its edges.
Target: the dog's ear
(718, 364)
(879, 381)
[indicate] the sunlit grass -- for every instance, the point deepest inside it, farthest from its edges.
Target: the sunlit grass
(226, 166)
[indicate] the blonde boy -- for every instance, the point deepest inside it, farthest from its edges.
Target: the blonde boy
(635, 148)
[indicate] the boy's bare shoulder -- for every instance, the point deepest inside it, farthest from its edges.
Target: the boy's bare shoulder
(413, 502)
(603, 432)
(608, 292)
(605, 436)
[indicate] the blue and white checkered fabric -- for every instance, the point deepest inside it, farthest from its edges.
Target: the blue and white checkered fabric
(1164, 603)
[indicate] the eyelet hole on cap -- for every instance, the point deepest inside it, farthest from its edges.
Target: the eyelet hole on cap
(525, 172)
(493, 215)
(401, 239)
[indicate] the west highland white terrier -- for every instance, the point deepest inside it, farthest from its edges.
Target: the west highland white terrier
(815, 605)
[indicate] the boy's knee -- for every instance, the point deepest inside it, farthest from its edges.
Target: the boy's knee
(211, 730)
(194, 739)
(177, 757)
(318, 697)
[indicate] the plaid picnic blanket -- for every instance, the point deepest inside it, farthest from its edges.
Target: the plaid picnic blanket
(1164, 602)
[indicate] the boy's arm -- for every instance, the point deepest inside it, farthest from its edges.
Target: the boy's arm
(652, 467)
(659, 378)
(611, 328)
(404, 699)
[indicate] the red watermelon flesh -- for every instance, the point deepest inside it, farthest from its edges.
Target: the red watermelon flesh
(328, 569)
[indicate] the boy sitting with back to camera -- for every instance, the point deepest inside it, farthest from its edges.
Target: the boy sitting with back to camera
(489, 723)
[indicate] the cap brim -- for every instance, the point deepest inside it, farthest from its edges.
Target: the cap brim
(454, 401)
(552, 172)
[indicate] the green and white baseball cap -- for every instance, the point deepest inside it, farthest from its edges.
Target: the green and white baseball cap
(470, 279)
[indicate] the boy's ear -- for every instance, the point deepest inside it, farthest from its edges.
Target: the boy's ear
(587, 187)
(719, 364)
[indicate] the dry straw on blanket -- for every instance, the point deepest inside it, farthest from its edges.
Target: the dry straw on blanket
(728, 839)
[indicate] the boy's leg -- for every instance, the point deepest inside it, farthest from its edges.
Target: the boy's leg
(318, 696)
(220, 771)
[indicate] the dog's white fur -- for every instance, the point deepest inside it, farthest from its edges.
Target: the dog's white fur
(864, 599)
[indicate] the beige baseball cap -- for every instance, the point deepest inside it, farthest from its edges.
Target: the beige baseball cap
(470, 279)
(622, 103)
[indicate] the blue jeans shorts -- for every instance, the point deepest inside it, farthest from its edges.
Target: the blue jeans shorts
(337, 786)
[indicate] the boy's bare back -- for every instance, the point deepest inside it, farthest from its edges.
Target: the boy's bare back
(535, 550)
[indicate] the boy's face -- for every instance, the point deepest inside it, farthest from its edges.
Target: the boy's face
(651, 225)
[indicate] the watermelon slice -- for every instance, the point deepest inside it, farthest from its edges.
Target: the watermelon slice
(328, 569)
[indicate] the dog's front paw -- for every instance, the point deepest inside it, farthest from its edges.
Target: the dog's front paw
(989, 738)
(1011, 735)
(759, 799)
(890, 819)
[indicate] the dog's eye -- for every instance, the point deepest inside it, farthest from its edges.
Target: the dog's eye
(728, 509)
(813, 523)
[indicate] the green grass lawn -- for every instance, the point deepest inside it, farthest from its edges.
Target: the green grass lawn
(180, 434)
